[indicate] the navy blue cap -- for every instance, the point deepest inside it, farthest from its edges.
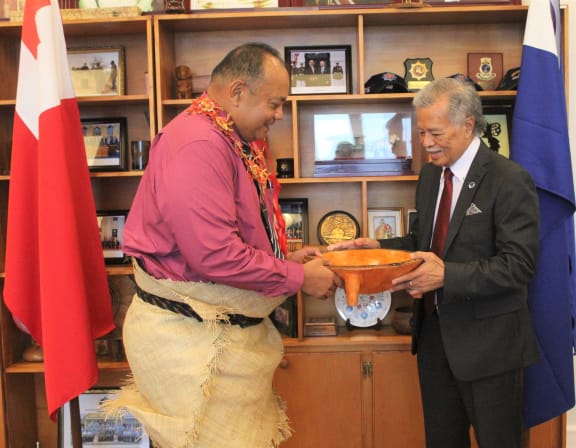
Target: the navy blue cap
(386, 82)
(467, 79)
(510, 80)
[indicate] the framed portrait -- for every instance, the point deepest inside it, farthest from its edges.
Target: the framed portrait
(319, 70)
(105, 141)
(497, 133)
(411, 214)
(98, 429)
(295, 214)
(111, 225)
(97, 71)
(385, 223)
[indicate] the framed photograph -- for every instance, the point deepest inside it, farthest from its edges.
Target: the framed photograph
(111, 225)
(105, 140)
(295, 214)
(285, 317)
(411, 214)
(320, 69)
(98, 429)
(385, 223)
(497, 133)
(97, 71)
(363, 143)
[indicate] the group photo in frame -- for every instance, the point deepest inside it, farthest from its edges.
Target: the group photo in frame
(105, 141)
(295, 214)
(99, 429)
(385, 223)
(97, 71)
(498, 126)
(111, 226)
(319, 70)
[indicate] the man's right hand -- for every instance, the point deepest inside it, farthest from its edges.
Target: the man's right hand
(319, 281)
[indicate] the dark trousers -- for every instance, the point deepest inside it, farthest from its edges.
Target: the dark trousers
(493, 406)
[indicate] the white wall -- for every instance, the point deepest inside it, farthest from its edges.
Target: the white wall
(571, 64)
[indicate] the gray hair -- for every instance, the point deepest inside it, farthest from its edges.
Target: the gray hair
(463, 101)
(246, 62)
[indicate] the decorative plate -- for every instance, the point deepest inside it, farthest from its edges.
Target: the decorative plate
(369, 309)
(337, 226)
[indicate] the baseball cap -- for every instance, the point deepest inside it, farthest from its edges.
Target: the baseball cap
(386, 82)
(463, 77)
(510, 80)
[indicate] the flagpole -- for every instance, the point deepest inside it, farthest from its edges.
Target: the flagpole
(75, 423)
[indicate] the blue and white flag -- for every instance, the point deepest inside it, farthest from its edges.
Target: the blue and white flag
(540, 144)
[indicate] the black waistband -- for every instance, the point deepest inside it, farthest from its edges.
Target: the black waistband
(188, 311)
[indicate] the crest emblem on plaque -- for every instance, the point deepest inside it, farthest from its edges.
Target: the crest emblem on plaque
(418, 72)
(486, 69)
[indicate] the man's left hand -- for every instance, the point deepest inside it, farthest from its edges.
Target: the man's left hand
(429, 276)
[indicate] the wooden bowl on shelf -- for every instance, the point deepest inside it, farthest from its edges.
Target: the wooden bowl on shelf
(367, 271)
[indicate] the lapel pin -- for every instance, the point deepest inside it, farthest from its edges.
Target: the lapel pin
(471, 185)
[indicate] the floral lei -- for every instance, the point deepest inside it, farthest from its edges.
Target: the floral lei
(255, 165)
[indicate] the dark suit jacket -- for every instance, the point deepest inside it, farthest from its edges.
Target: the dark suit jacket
(490, 258)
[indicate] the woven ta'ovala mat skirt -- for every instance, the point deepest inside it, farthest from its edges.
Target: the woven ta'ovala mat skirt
(201, 384)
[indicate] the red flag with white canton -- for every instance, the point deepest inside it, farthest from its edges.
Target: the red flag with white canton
(56, 284)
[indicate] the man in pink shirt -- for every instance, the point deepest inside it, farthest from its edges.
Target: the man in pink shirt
(208, 243)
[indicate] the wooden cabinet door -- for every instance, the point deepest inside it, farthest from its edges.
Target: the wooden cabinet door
(323, 392)
(397, 407)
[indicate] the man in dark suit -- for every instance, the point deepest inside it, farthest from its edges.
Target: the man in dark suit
(475, 338)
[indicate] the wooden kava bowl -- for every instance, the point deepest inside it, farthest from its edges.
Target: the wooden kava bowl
(368, 271)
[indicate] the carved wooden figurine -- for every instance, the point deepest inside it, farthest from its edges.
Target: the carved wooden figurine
(183, 82)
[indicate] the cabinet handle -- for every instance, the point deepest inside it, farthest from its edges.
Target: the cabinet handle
(284, 363)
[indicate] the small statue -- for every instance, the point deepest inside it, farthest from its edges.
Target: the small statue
(183, 82)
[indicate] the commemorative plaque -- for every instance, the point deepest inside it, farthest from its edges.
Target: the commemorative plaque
(418, 73)
(485, 69)
(337, 226)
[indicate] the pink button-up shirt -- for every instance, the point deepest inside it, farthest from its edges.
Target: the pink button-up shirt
(196, 214)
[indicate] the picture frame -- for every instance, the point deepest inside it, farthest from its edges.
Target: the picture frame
(364, 143)
(384, 223)
(411, 215)
(98, 71)
(498, 128)
(295, 214)
(99, 429)
(111, 225)
(285, 317)
(322, 69)
(106, 143)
